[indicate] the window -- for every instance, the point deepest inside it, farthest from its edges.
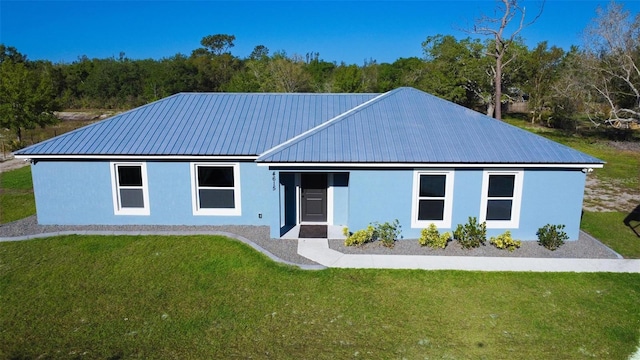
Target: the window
(501, 194)
(433, 198)
(130, 191)
(216, 189)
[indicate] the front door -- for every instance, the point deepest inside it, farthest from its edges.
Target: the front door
(313, 202)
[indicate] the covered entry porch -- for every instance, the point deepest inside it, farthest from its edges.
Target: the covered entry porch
(318, 198)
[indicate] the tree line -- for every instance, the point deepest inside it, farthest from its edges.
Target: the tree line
(599, 82)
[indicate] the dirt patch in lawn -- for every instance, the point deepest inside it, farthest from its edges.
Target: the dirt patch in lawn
(606, 195)
(12, 164)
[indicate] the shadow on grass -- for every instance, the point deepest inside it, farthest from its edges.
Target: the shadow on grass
(633, 220)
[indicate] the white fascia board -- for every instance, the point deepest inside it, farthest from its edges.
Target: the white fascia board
(434, 165)
(135, 157)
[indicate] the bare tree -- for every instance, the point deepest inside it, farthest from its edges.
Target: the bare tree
(287, 74)
(503, 36)
(612, 66)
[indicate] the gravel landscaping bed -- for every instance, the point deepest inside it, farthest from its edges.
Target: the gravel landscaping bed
(287, 250)
(586, 247)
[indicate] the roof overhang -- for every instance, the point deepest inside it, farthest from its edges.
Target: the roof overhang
(139, 157)
(432, 165)
(306, 164)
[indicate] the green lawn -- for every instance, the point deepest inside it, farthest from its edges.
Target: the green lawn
(609, 228)
(16, 195)
(209, 297)
(206, 297)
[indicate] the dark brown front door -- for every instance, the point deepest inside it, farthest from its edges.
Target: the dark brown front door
(314, 197)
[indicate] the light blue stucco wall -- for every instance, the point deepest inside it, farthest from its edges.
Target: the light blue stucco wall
(341, 185)
(549, 196)
(80, 193)
(380, 195)
(552, 197)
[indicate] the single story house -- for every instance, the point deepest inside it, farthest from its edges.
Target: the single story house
(282, 160)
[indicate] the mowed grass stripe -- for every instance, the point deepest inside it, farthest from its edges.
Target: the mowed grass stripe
(212, 297)
(16, 195)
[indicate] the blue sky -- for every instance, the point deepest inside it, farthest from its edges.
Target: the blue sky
(355, 31)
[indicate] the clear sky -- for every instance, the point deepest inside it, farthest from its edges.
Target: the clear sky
(354, 31)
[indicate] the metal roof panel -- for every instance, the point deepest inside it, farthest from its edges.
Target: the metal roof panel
(401, 126)
(409, 126)
(202, 124)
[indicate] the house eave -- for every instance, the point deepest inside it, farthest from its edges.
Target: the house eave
(254, 158)
(138, 157)
(433, 165)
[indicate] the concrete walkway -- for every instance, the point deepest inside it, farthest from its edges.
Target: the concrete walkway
(318, 250)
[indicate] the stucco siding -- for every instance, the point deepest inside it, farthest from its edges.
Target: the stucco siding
(72, 193)
(80, 193)
(467, 191)
(381, 195)
(548, 197)
(551, 197)
(340, 186)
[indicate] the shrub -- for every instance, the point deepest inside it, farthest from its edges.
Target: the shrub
(387, 233)
(471, 234)
(345, 231)
(505, 241)
(551, 236)
(361, 237)
(432, 238)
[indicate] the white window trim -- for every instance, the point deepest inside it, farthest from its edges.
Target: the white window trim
(445, 223)
(115, 190)
(236, 211)
(514, 223)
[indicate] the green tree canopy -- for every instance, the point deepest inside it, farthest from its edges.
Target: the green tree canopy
(27, 97)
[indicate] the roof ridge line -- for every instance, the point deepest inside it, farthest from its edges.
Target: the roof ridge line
(325, 124)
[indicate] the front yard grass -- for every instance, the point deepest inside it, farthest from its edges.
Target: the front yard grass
(207, 297)
(16, 195)
(609, 228)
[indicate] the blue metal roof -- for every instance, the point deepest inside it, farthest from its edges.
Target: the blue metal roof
(402, 126)
(410, 126)
(200, 124)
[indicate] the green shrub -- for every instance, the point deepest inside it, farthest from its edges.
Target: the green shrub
(361, 237)
(387, 233)
(471, 234)
(432, 238)
(552, 236)
(345, 231)
(505, 241)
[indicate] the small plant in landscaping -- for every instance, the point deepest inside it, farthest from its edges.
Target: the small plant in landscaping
(471, 234)
(552, 236)
(361, 237)
(432, 238)
(387, 233)
(345, 231)
(505, 241)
